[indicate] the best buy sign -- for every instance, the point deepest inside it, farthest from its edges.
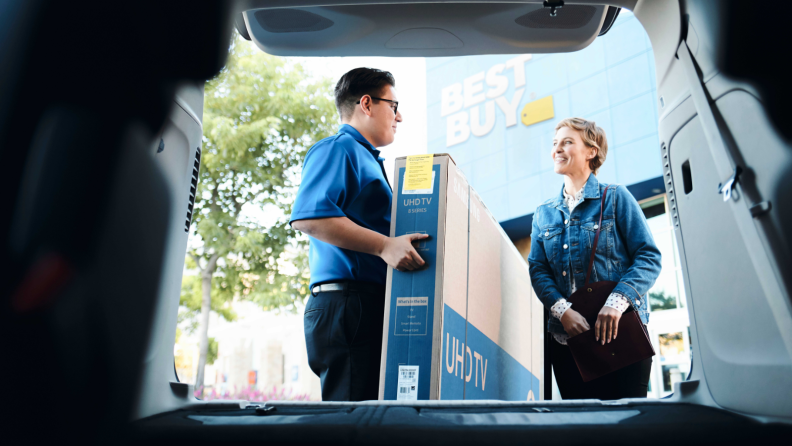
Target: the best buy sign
(461, 103)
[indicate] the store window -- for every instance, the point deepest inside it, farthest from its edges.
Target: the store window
(672, 352)
(668, 291)
(669, 321)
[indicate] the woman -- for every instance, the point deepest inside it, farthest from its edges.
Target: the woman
(561, 240)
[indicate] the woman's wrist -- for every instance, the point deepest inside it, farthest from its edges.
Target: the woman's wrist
(618, 301)
(559, 308)
(568, 315)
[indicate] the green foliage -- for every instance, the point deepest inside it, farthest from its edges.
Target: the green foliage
(661, 301)
(261, 114)
(211, 353)
(286, 287)
(191, 298)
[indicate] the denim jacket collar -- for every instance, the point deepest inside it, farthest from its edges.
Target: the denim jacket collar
(591, 191)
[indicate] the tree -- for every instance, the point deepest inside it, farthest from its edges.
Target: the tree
(261, 114)
(211, 353)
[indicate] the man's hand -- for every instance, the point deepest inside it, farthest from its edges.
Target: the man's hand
(574, 323)
(399, 253)
(607, 325)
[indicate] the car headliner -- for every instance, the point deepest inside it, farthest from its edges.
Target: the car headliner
(425, 29)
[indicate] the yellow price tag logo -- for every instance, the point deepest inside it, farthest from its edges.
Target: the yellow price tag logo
(538, 111)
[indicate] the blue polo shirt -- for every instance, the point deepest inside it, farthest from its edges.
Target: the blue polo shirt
(343, 176)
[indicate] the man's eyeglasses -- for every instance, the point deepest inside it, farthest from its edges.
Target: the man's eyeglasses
(395, 103)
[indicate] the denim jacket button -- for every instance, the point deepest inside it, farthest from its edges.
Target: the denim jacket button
(638, 301)
(566, 222)
(566, 246)
(547, 233)
(596, 226)
(563, 273)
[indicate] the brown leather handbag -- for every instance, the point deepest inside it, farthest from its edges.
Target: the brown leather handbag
(632, 343)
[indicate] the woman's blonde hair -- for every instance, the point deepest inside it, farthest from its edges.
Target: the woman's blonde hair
(592, 135)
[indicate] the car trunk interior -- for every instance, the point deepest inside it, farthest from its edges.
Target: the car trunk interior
(79, 133)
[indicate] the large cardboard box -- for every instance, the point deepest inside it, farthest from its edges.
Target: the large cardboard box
(467, 326)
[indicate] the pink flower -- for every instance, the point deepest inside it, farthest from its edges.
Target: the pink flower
(252, 394)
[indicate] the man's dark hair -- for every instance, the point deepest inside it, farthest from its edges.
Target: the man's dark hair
(359, 82)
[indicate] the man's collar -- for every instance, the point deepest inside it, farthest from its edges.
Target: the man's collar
(353, 132)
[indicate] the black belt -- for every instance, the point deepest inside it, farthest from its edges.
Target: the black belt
(348, 286)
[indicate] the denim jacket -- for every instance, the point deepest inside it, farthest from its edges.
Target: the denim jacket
(626, 251)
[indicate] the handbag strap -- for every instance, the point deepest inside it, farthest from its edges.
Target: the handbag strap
(596, 238)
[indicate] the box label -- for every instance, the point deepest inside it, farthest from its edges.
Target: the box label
(408, 383)
(418, 173)
(429, 191)
(412, 315)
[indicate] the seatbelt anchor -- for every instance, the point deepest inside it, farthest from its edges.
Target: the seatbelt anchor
(727, 187)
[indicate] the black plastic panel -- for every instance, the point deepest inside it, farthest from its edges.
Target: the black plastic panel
(552, 423)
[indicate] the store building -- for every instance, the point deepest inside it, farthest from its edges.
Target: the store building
(260, 350)
(496, 116)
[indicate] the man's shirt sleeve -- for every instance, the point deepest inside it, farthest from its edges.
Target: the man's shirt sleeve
(329, 182)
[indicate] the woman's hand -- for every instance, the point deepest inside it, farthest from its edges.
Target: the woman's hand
(607, 325)
(574, 323)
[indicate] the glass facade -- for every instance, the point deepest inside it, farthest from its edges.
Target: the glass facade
(496, 115)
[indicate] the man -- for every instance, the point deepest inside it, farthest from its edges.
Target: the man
(344, 205)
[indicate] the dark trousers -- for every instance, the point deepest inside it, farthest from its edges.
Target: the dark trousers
(628, 382)
(343, 335)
